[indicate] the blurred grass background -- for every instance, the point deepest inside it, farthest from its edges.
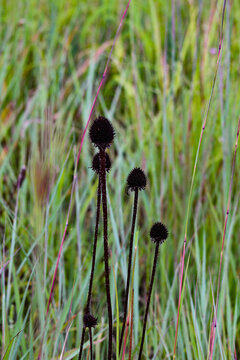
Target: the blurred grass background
(52, 57)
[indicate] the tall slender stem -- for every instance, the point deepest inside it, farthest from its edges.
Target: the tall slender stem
(94, 245)
(93, 264)
(149, 297)
(204, 123)
(131, 327)
(81, 344)
(105, 238)
(214, 323)
(129, 267)
(91, 343)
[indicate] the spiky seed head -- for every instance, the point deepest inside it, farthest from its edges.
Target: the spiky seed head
(89, 320)
(96, 163)
(136, 180)
(101, 132)
(158, 233)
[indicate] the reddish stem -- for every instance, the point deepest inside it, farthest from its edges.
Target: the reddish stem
(194, 172)
(125, 339)
(214, 323)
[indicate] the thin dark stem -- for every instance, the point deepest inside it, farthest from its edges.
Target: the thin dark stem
(94, 245)
(91, 343)
(105, 238)
(131, 328)
(81, 344)
(93, 265)
(149, 297)
(129, 267)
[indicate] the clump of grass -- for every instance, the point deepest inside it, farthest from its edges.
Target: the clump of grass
(203, 127)
(103, 79)
(163, 104)
(214, 323)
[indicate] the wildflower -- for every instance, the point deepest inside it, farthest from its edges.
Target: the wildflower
(101, 133)
(96, 163)
(136, 180)
(158, 234)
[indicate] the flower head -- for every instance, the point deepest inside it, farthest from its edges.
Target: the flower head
(96, 163)
(101, 132)
(89, 320)
(158, 233)
(136, 180)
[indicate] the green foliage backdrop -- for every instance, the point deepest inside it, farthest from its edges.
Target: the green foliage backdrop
(52, 57)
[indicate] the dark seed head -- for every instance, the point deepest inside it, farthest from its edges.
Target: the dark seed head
(96, 163)
(158, 233)
(101, 132)
(89, 320)
(136, 180)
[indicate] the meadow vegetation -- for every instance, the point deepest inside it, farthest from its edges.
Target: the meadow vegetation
(52, 57)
